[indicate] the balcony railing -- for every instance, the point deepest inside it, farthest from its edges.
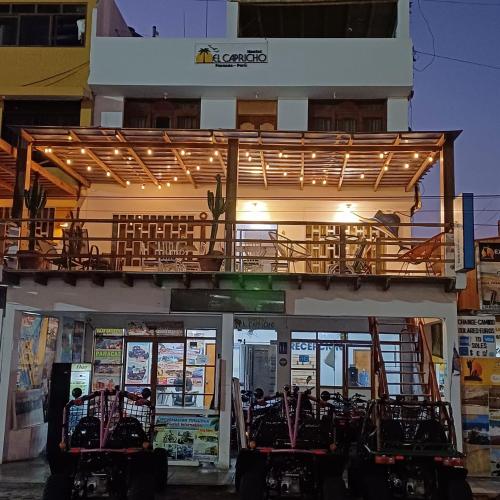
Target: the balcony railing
(158, 244)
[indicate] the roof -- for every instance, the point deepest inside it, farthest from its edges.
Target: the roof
(267, 159)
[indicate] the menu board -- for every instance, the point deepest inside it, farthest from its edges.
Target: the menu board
(138, 363)
(108, 351)
(188, 437)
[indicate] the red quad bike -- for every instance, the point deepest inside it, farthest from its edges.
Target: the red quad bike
(407, 449)
(107, 449)
(291, 450)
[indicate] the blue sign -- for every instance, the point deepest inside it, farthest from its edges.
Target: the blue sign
(303, 358)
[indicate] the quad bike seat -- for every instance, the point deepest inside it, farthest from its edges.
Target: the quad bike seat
(128, 433)
(86, 433)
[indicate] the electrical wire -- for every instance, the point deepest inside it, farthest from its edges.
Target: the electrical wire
(56, 75)
(429, 29)
(463, 2)
(456, 59)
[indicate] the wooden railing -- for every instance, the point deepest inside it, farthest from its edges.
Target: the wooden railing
(246, 247)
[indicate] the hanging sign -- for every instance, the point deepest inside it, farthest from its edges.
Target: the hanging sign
(476, 336)
(231, 55)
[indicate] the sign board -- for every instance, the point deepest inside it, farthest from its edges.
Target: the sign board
(489, 276)
(463, 227)
(254, 324)
(476, 336)
(160, 328)
(238, 301)
(231, 55)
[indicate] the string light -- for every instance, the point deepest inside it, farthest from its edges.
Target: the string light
(249, 158)
(211, 159)
(175, 179)
(117, 151)
(68, 162)
(188, 172)
(128, 183)
(347, 155)
(129, 158)
(285, 174)
(415, 155)
(313, 155)
(150, 151)
(386, 168)
(324, 182)
(82, 151)
(280, 154)
(247, 154)
(159, 186)
(314, 181)
(431, 159)
(381, 156)
(268, 166)
(89, 168)
(216, 152)
(143, 186)
(168, 184)
(197, 167)
(182, 152)
(362, 176)
(108, 174)
(301, 178)
(70, 137)
(407, 165)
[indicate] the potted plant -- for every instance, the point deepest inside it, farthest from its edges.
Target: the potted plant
(217, 206)
(35, 199)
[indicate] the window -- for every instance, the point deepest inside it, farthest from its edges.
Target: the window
(257, 115)
(162, 113)
(348, 116)
(43, 25)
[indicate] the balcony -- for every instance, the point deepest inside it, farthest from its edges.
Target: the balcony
(318, 206)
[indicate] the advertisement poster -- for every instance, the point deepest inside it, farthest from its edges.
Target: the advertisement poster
(108, 351)
(489, 276)
(477, 336)
(170, 363)
(162, 328)
(80, 377)
(106, 377)
(78, 336)
(109, 332)
(480, 371)
(188, 438)
(138, 363)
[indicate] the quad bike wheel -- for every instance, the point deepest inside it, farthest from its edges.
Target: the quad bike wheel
(160, 458)
(58, 487)
(375, 486)
(333, 488)
(142, 487)
(457, 489)
(252, 485)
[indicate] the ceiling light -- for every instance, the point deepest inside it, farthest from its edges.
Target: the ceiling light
(188, 172)
(143, 186)
(362, 176)
(313, 155)
(68, 162)
(285, 174)
(150, 151)
(197, 167)
(108, 174)
(128, 183)
(381, 156)
(168, 184)
(301, 178)
(280, 154)
(415, 155)
(159, 186)
(175, 179)
(386, 167)
(347, 156)
(407, 165)
(117, 151)
(182, 152)
(216, 152)
(82, 151)
(211, 159)
(314, 181)
(89, 168)
(324, 182)
(247, 154)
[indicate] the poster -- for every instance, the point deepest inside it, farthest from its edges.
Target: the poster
(109, 332)
(476, 336)
(67, 340)
(188, 437)
(480, 371)
(108, 351)
(78, 337)
(106, 377)
(162, 328)
(489, 276)
(138, 363)
(170, 363)
(80, 378)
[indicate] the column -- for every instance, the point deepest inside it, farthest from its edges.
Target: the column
(22, 183)
(293, 114)
(232, 19)
(226, 355)
(108, 111)
(218, 114)
(397, 114)
(447, 179)
(86, 113)
(231, 200)
(403, 26)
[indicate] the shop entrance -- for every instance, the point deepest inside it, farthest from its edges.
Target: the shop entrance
(254, 359)
(334, 362)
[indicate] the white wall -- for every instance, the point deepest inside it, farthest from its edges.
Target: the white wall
(232, 14)
(397, 114)
(218, 113)
(293, 114)
(108, 111)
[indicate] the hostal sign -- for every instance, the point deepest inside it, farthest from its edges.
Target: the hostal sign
(231, 55)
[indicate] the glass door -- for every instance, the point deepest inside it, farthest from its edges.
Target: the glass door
(359, 370)
(331, 363)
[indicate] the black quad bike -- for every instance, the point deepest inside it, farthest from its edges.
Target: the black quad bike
(407, 449)
(106, 449)
(291, 449)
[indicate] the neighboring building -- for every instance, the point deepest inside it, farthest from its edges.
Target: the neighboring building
(320, 175)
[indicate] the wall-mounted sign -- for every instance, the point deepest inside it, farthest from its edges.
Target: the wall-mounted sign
(254, 324)
(110, 332)
(160, 328)
(231, 55)
(489, 276)
(476, 336)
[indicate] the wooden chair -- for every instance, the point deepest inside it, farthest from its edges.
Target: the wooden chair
(423, 253)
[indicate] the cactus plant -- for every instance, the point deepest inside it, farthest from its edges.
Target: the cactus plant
(35, 199)
(217, 206)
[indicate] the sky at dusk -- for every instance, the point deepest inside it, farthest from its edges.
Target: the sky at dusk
(447, 95)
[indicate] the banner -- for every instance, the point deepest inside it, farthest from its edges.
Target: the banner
(477, 336)
(188, 437)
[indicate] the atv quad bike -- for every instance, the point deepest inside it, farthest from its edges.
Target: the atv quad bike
(107, 449)
(407, 449)
(290, 449)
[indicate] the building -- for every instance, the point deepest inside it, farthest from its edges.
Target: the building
(308, 131)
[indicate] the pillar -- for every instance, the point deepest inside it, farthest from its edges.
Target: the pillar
(403, 23)
(293, 114)
(231, 200)
(447, 180)
(86, 113)
(397, 114)
(232, 19)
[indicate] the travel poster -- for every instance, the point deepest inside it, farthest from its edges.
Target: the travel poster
(170, 362)
(138, 363)
(480, 371)
(188, 437)
(489, 276)
(108, 351)
(106, 377)
(158, 328)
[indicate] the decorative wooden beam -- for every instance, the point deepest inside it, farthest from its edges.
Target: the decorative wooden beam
(7, 186)
(386, 164)
(423, 167)
(179, 159)
(263, 164)
(138, 159)
(222, 164)
(344, 166)
(98, 161)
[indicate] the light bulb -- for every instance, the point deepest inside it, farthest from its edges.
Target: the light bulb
(128, 183)
(143, 186)
(415, 155)
(301, 178)
(108, 174)
(150, 151)
(324, 182)
(314, 181)
(386, 168)
(431, 159)
(82, 151)
(211, 159)
(129, 158)
(381, 156)
(168, 184)
(197, 167)
(313, 155)
(247, 154)
(182, 152)
(188, 172)
(117, 151)
(362, 176)
(70, 138)
(249, 158)
(268, 166)
(68, 162)
(407, 165)
(89, 168)
(216, 152)
(175, 179)
(280, 154)
(285, 174)
(159, 186)
(347, 155)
